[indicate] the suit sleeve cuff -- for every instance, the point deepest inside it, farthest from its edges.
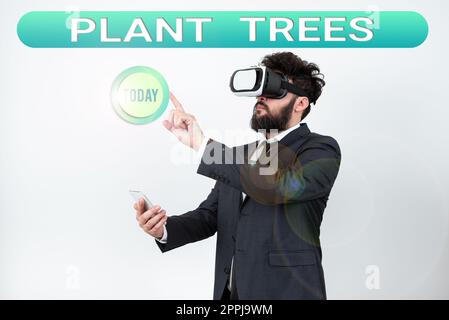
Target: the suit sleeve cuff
(164, 236)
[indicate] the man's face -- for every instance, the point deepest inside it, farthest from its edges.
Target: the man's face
(270, 114)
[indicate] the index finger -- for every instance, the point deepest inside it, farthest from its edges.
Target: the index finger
(175, 102)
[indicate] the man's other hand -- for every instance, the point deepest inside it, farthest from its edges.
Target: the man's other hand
(150, 220)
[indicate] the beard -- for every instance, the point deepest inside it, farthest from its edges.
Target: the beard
(271, 122)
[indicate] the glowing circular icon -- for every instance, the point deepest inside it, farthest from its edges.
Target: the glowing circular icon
(139, 95)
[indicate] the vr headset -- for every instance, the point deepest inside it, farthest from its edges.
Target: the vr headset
(262, 81)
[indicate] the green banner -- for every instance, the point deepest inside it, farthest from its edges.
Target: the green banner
(222, 29)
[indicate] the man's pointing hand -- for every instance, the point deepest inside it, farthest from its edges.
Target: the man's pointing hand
(183, 125)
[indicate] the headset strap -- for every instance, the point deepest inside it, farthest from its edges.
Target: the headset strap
(293, 89)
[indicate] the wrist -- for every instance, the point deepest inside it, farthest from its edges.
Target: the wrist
(159, 237)
(198, 142)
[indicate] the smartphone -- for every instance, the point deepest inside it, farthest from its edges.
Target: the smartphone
(139, 194)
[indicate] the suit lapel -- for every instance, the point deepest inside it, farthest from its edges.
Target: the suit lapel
(286, 141)
(295, 135)
(249, 150)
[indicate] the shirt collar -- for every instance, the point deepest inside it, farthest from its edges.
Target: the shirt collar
(280, 135)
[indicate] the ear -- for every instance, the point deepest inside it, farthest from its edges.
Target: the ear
(301, 104)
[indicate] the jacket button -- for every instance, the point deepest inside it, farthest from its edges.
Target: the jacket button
(227, 270)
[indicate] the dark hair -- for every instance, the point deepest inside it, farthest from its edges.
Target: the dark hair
(306, 75)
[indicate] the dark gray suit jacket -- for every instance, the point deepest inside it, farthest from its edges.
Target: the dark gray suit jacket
(273, 234)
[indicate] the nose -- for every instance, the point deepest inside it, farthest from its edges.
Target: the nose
(261, 98)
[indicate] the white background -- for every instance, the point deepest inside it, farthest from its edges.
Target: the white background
(67, 227)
